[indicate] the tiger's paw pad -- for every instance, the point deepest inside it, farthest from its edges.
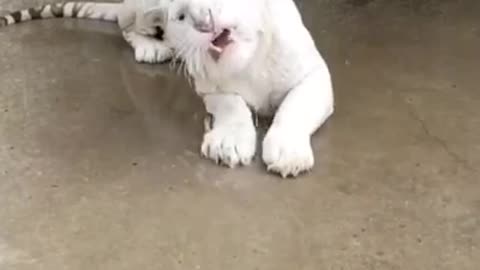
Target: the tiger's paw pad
(287, 153)
(230, 145)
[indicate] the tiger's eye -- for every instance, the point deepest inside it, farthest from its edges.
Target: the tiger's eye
(181, 17)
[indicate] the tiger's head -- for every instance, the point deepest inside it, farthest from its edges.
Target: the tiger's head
(224, 34)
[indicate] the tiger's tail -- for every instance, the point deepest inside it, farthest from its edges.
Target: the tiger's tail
(83, 10)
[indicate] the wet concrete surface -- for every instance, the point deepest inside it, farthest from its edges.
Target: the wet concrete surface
(100, 166)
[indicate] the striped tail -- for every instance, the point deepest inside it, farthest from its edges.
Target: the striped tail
(84, 10)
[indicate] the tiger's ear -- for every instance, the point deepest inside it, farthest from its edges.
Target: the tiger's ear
(154, 10)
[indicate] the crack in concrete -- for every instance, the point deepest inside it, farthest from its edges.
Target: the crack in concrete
(452, 154)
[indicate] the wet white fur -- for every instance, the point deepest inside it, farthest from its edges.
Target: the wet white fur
(273, 66)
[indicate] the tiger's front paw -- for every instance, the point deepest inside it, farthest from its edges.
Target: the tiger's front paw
(152, 52)
(230, 145)
(287, 152)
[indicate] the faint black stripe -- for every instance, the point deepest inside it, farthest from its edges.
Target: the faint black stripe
(76, 9)
(17, 16)
(57, 10)
(35, 13)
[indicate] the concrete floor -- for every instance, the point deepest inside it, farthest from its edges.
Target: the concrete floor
(100, 166)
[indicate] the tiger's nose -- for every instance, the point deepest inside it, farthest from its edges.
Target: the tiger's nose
(203, 27)
(203, 22)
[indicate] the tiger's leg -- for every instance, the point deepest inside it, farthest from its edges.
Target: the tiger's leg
(147, 48)
(286, 148)
(230, 136)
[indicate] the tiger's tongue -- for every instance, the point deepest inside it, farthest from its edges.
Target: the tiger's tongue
(219, 44)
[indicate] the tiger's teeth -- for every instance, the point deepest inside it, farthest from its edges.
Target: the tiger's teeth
(215, 52)
(216, 49)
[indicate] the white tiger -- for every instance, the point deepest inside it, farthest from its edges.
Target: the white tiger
(257, 54)
(141, 22)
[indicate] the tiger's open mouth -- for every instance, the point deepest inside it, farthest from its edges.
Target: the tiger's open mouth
(219, 43)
